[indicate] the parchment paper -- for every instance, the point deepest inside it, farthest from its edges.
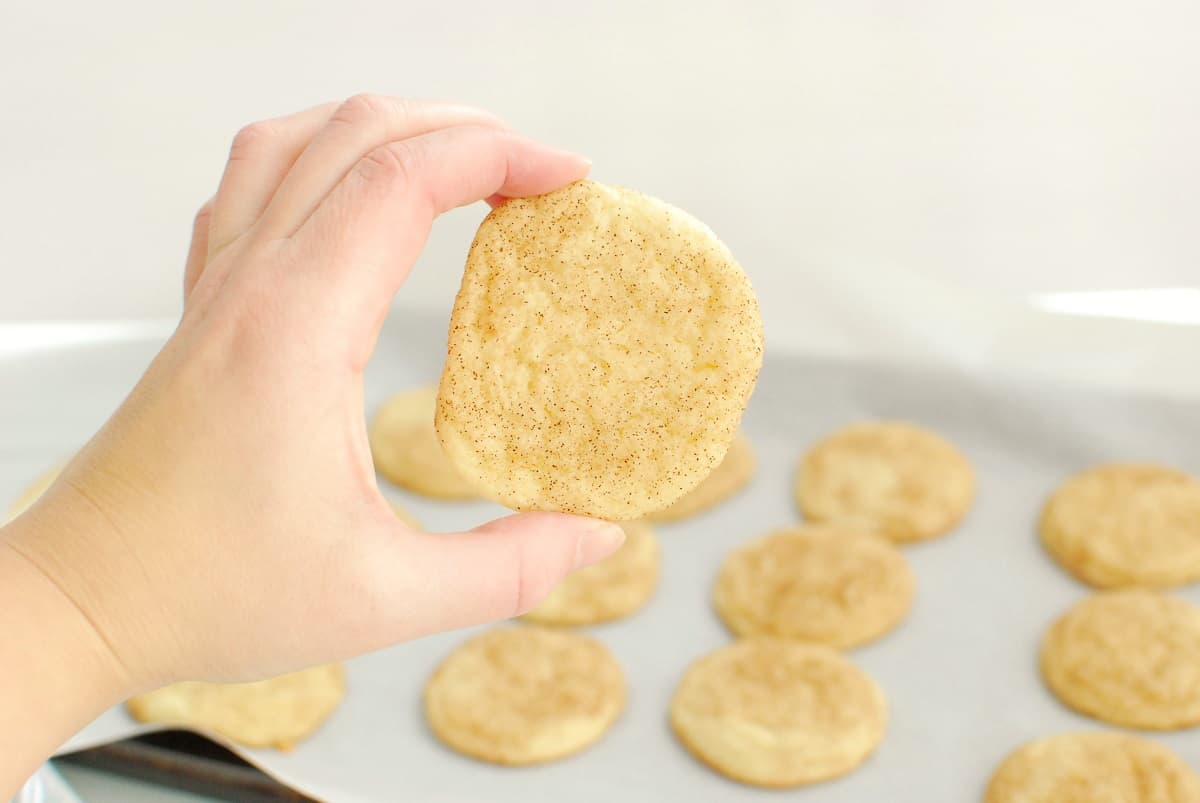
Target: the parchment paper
(960, 674)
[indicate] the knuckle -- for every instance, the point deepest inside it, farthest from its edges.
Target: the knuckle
(530, 585)
(394, 162)
(202, 217)
(362, 107)
(250, 139)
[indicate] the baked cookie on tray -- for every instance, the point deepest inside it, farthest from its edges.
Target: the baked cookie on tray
(1126, 525)
(891, 478)
(821, 584)
(1131, 658)
(777, 713)
(1093, 767)
(277, 712)
(406, 449)
(524, 695)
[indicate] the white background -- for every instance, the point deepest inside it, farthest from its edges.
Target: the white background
(1000, 146)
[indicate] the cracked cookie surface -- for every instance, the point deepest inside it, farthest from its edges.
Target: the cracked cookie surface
(602, 348)
(524, 695)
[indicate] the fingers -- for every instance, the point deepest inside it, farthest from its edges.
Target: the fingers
(369, 231)
(357, 127)
(497, 571)
(198, 250)
(260, 158)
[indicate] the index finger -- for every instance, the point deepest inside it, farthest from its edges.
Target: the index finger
(369, 230)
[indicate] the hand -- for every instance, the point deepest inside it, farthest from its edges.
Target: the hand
(225, 524)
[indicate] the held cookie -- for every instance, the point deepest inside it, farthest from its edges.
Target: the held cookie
(730, 476)
(278, 712)
(1131, 658)
(1126, 525)
(612, 589)
(602, 348)
(778, 713)
(1093, 767)
(34, 492)
(406, 449)
(524, 695)
(894, 479)
(815, 584)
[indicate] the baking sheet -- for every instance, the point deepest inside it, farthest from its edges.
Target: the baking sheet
(960, 674)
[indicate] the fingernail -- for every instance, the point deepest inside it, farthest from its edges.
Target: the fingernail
(600, 540)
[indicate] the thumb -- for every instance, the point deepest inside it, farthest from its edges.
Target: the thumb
(496, 571)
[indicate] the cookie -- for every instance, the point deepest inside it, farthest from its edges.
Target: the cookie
(278, 712)
(1125, 526)
(602, 348)
(817, 584)
(730, 476)
(524, 695)
(1131, 658)
(1093, 767)
(34, 492)
(407, 451)
(778, 713)
(611, 589)
(894, 479)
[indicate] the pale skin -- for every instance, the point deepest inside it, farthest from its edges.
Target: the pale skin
(225, 524)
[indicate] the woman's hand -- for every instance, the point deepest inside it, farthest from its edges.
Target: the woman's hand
(225, 524)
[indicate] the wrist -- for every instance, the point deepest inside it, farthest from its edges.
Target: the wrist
(71, 550)
(57, 672)
(60, 627)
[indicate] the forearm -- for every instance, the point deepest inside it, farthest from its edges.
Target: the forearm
(56, 674)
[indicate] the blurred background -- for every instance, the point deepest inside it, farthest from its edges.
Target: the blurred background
(1001, 147)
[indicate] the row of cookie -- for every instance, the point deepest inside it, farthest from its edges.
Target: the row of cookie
(488, 698)
(1129, 657)
(199, 693)
(808, 584)
(780, 706)
(1122, 691)
(281, 711)
(791, 597)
